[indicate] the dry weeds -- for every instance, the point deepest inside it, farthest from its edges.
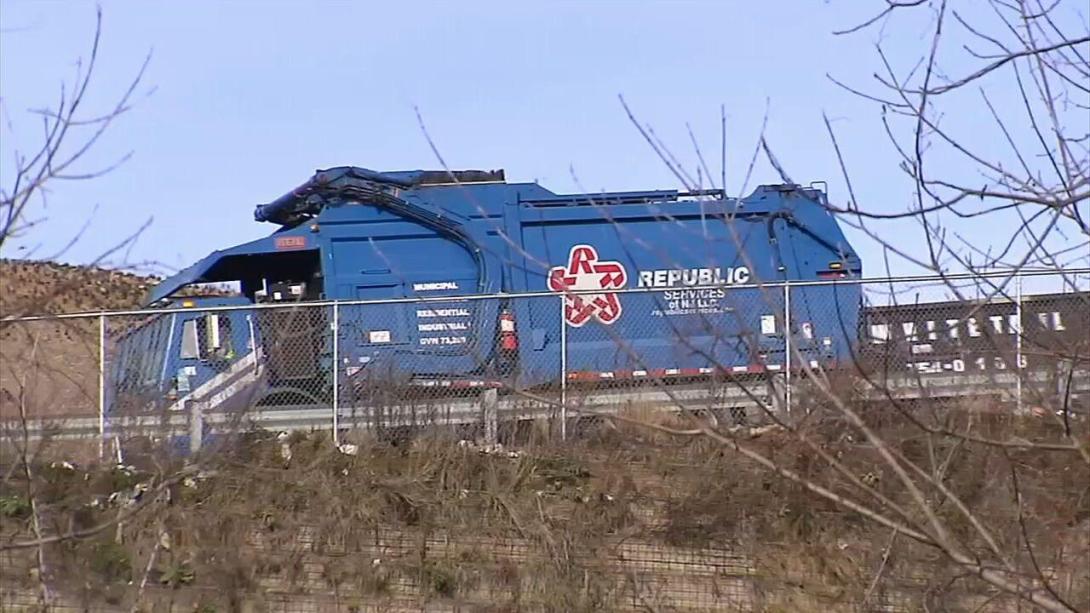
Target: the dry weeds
(613, 522)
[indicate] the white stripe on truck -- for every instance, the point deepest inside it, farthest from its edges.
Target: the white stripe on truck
(210, 389)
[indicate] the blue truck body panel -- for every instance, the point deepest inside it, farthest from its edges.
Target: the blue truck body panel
(660, 265)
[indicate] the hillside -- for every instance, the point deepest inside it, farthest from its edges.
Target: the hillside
(34, 288)
(51, 367)
(618, 520)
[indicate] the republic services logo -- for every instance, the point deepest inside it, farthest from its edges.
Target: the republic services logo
(585, 272)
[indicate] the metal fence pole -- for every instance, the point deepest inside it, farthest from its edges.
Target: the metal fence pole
(253, 342)
(101, 387)
(563, 372)
(196, 425)
(787, 344)
(1018, 341)
(335, 329)
(489, 410)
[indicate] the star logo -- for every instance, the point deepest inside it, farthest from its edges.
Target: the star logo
(585, 272)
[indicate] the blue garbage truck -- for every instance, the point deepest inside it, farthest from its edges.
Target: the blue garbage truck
(463, 279)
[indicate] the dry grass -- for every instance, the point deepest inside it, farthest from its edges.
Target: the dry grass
(611, 523)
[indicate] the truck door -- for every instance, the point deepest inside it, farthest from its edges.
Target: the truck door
(214, 357)
(376, 325)
(443, 335)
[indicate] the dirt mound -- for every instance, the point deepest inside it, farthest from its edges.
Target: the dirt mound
(51, 367)
(36, 288)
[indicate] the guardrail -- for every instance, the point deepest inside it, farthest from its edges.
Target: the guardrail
(730, 401)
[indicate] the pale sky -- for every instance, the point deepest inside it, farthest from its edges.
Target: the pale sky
(244, 100)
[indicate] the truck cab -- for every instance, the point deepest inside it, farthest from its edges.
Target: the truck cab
(200, 345)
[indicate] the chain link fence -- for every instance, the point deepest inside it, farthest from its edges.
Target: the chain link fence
(477, 367)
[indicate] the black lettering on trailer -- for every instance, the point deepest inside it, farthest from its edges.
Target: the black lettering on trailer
(968, 337)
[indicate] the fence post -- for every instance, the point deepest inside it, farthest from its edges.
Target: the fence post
(1018, 341)
(196, 425)
(489, 408)
(563, 372)
(253, 342)
(787, 344)
(101, 387)
(335, 328)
